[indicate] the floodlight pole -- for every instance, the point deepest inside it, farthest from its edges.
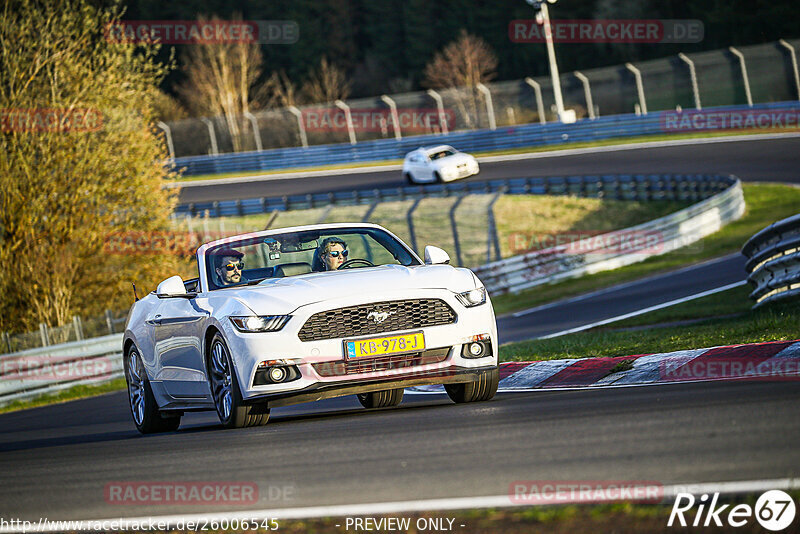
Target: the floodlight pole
(551, 52)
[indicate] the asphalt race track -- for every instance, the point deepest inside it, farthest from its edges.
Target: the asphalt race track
(56, 461)
(770, 160)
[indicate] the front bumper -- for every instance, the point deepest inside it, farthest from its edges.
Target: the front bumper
(320, 363)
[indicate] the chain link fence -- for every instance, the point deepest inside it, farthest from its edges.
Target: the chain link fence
(666, 84)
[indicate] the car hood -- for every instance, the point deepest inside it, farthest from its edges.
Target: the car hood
(283, 295)
(455, 159)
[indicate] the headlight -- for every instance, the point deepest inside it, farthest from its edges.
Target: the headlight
(262, 323)
(473, 297)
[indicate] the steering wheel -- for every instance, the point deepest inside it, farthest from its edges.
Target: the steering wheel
(348, 263)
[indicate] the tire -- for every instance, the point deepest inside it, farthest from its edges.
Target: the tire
(381, 399)
(482, 389)
(144, 409)
(231, 409)
(437, 178)
(409, 179)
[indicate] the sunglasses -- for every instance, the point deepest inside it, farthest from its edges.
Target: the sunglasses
(335, 253)
(231, 266)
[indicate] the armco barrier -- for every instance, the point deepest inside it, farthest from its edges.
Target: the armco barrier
(30, 373)
(643, 187)
(665, 235)
(773, 261)
(527, 135)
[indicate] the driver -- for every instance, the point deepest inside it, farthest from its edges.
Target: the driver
(332, 253)
(228, 265)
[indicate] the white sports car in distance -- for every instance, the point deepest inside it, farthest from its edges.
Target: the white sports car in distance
(438, 164)
(300, 314)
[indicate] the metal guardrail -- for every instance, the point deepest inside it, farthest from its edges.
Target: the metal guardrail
(773, 261)
(594, 253)
(643, 187)
(30, 373)
(527, 135)
(33, 372)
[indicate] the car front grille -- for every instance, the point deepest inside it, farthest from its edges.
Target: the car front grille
(369, 365)
(363, 320)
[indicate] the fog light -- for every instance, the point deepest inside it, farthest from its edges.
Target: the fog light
(277, 374)
(475, 349)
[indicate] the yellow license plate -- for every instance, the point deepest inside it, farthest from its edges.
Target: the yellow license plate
(384, 346)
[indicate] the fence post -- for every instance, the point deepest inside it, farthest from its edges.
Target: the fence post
(395, 117)
(256, 130)
(455, 229)
(212, 135)
(410, 222)
(43, 334)
(587, 92)
(793, 56)
(294, 110)
(7, 339)
(76, 323)
(109, 322)
(637, 74)
(489, 105)
(537, 89)
(168, 134)
(349, 118)
(693, 77)
(743, 66)
(440, 106)
(491, 230)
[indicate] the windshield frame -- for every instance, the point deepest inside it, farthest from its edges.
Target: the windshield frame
(202, 252)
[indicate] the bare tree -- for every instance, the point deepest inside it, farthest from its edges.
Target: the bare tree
(279, 91)
(326, 83)
(219, 81)
(461, 65)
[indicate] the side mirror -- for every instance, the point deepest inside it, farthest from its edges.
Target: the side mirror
(436, 256)
(172, 287)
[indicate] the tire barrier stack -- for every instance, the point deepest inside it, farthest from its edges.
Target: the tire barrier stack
(773, 261)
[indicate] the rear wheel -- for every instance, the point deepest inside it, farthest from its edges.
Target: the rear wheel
(482, 389)
(232, 411)
(381, 399)
(144, 409)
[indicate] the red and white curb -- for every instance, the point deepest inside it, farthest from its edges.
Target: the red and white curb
(776, 360)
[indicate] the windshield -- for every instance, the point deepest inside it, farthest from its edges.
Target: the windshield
(443, 153)
(253, 260)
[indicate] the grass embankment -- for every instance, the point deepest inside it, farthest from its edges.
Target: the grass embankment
(724, 318)
(505, 152)
(766, 203)
(77, 392)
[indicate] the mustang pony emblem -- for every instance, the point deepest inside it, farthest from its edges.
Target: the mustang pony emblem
(379, 317)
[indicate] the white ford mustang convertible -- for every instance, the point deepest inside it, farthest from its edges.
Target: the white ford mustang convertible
(306, 313)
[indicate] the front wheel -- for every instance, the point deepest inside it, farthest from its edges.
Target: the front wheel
(144, 409)
(231, 409)
(409, 179)
(482, 389)
(381, 399)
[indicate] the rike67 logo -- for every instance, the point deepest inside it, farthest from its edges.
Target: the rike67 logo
(774, 511)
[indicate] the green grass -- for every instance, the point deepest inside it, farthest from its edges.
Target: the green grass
(777, 322)
(77, 392)
(766, 203)
(504, 152)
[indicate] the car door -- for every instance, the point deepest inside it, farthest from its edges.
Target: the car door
(177, 325)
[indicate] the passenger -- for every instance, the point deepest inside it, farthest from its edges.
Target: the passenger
(330, 254)
(228, 265)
